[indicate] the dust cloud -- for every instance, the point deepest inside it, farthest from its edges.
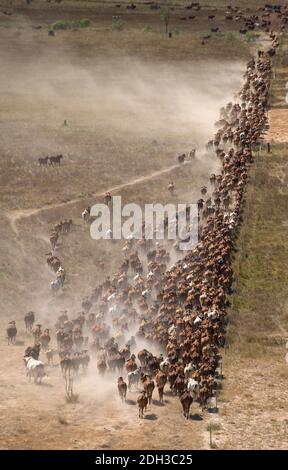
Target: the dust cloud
(122, 102)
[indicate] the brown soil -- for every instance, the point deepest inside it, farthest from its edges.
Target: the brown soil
(278, 131)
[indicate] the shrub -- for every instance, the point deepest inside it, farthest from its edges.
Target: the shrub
(118, 25)
(250, 37)
(231, 36)
(70, 24)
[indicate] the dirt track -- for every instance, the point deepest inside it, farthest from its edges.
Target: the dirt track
(19, 215)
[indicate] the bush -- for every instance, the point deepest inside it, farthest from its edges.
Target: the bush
(231, 36)
(148, 29)
(250, 37)
(118, 25)
(70, 24)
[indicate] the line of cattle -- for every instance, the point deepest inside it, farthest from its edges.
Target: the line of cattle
(63, 227)
(180, 308)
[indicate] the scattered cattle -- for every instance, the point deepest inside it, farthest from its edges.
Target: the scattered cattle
(29, 320)
(11, 332)
(122, 388)
(53, 161)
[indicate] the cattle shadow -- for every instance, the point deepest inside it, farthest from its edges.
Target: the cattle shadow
(151, 416)
(130, 402)
(196, 417)
(220, 377)
(19, 342)
(213, 409)
(44, 384)
(169, 393)
(157, 403)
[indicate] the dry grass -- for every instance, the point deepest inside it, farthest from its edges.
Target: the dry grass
(253, 408)
(261, 262)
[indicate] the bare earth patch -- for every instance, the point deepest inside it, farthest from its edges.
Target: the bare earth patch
(278, 120)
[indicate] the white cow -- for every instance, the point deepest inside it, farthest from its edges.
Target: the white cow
(111, 297)
(34, 369)
(134, 377)
(86, 214)
(193, 388)
(145, 293)
(164, 366)
(189, 369)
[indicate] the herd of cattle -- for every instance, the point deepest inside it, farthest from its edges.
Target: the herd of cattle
(264, 17)
(235, 13)
(180, 309)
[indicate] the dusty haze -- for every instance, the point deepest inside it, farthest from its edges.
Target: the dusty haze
(123, 102)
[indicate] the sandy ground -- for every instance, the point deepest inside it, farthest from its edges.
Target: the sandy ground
(40, 418)
(278, 131)
(254, 412)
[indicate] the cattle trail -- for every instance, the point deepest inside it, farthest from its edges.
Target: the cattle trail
(16, 216)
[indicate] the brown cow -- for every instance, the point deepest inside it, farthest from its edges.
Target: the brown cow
(142, 402)
(186, 401)
(149, 386)
(122, 388)
(11, 332)
(161, 380)
(101, 366)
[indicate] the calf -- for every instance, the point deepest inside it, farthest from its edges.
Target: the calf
(50, 356)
